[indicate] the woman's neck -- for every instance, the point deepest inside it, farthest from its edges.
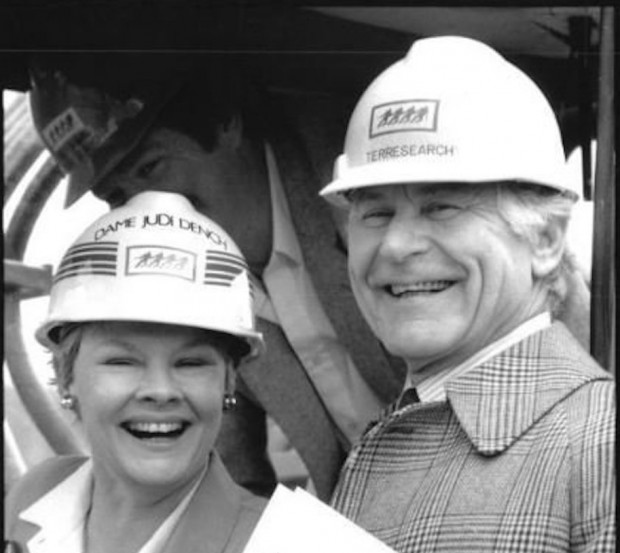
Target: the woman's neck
(122, 517)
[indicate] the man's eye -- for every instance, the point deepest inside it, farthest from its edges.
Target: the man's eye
(377, 216)
(147, 168)
(441, 210)
(115, 198)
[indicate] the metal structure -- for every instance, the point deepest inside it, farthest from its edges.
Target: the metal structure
(333, 52)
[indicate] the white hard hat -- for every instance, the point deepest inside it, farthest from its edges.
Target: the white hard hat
(155, 259)
(453, 110)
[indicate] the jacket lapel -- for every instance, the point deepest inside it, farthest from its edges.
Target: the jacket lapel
(209, 521)
(502, 398)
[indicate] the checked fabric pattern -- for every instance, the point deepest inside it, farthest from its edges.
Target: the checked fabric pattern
(519, 459)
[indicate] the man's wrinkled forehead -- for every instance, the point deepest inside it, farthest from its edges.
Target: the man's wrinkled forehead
(417, 189)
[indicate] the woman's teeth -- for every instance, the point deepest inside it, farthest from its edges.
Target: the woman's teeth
(155, 429)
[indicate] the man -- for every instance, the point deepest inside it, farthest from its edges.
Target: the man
(135, 122)
(174, 124)
(453, 174)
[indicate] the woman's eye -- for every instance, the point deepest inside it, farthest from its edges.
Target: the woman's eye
(194, 362)
(119, 361)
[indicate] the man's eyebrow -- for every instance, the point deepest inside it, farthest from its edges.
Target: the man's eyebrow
(446, 188)
(369, 193)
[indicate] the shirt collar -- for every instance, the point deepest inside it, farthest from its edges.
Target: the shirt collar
(285, 249)
(284, 236)
(433, 388)
(74, 494)
(156, 542)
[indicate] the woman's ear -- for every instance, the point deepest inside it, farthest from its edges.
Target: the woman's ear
(548, 250)
(230, 378)
(230, 135)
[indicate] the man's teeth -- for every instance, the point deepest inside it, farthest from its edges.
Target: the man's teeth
(425, 286)
(159, 427)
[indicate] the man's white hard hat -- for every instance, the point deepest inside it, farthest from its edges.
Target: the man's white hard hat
(452, 110)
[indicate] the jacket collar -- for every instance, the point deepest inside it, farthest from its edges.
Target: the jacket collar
(74, 493)
(500, 399)
(214, 509)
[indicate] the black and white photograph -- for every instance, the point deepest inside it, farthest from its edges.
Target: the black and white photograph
(288, 278)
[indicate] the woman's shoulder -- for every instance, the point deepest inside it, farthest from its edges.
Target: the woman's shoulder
(39, 480)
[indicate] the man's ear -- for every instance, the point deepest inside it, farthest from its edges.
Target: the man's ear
(230, 135)
(548, 250)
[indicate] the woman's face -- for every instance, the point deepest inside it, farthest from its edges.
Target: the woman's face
(150, 399)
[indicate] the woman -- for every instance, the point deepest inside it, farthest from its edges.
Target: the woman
(148, 376)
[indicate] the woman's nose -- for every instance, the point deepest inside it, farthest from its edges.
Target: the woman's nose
(159, 385)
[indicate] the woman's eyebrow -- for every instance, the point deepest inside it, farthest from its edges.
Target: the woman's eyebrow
(105, 341)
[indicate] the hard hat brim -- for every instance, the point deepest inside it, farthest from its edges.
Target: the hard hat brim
(104, 160)
(47, 333)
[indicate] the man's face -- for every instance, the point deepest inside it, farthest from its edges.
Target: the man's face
(227, 185)
(437, 273)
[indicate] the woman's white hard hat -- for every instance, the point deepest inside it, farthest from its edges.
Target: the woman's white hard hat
(155, 259)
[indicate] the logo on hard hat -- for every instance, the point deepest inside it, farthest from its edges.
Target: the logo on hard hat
(160, 260)
(84, 118)
(89, 258)
(222, 268)
(403, 116)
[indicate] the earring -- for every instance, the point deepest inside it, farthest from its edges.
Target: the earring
(229, 402)
(67, 401)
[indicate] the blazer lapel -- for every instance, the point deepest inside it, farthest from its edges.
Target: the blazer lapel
(209, 521)
(502, 398)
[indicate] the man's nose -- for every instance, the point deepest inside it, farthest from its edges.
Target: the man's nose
(407, 235)
(118, 190)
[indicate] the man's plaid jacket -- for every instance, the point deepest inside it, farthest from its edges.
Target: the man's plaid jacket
(520, 458)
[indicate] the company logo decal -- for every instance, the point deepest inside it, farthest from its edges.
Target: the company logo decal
(404, 116)
(62, 129)
(222, 268)
(89, 119)
(161, 260)
(89, 258)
